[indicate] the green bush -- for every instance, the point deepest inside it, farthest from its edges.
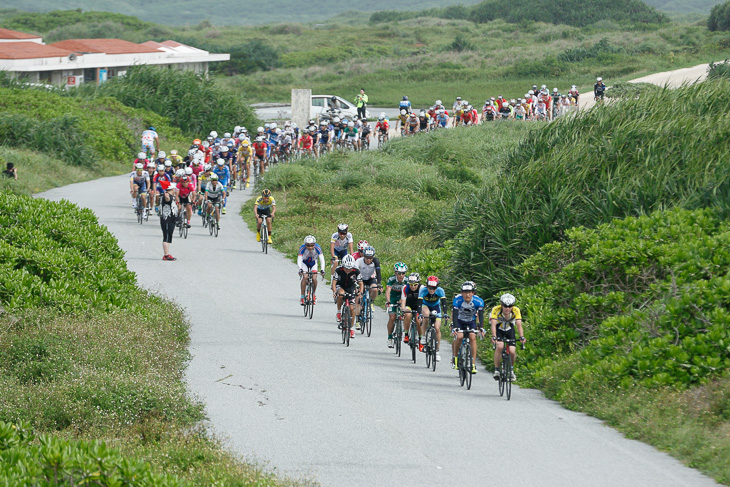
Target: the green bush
(48, 21)
(624, 89)
(578, 54)
(719, 70)
(625, 158)
(57, 255)
(638, 301)
(719, 19)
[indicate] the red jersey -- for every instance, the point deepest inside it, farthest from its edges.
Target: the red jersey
(382, 126)
(259, 148)
(185, 190)
(306, 141)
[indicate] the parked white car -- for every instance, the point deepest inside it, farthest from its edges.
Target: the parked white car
(321, 103)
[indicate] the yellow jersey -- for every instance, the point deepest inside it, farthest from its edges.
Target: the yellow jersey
(245, 151)
(265, 203)
(505, 322)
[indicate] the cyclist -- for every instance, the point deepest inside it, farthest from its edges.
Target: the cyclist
(574, 94)
(351, 135)
(259, 150)
(160, 175)
(503, 318)
(175, 158)
(203, 180)
(401, 121)
(365, 135)
(224, 178)
(442, 119)
(382, 127)
(393, 293)
(141, 157)
(599, 89)
(405, 105)
(229, 157)
(467, 309)
(309, 252)
(409, 302)
(432, 301)
(186, 193)
(347, 279)
(340, 245)
(424, 121)
(412, 124)
(264, 208)
(325, 137)
(214, 195)
(489, 112)
(556, 102)
(306, 142)
(361, 246)
(139, 182)
(245, 154)
(150, 142)
(369, 267)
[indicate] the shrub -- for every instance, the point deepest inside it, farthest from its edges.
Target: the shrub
(460, 44)
(719, 70)
(719, 18)
(578, 54)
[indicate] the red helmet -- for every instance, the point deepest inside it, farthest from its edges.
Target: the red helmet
(362, 244)
(432, 281)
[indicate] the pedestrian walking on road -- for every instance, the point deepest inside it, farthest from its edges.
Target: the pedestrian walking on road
(167, 217)
(361, 102)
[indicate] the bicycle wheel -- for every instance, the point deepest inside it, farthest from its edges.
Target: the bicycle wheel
(185, 230)
(307, 302)
(180, 226)
(469, 363)
(346, 323)
(398, 336)
(215, 229)
(413, 341)
(502, 375)
(428, 350)
(369, 320)
(311, 304)
(462, 365)
(264, 237)
(508, 380)
(139, 215)
(432, 349)
(363, 316)
(211, 224)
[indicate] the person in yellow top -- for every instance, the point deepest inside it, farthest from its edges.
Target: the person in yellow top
(245, 153)
(175, 158)
(401, 121)
(264, 208)
(504, 318)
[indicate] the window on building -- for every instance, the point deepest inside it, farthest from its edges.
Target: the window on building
(89, 75)
(44, 77)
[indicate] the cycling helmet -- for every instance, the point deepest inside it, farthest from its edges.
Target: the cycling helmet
(405, 98)
(350, 124)
(278, 131)
(599, 79)
(334, 98)
(507, 300)
(259, 139)
(188, 170)
(323, 123)
(287, 123)
(237, 129)
(469, 286)
(151, 164)
(543, 87)
(142, 155)
(260, 129)
(162, 154)
(209, 138)
(207, 166)
(266, 193)
(267, 126)
(414, 278)
(139, 165)
(336, 119)
(151, 128)
(173, 152)
(342, 227)
(310, 240)
(217, 144)
(224, 148)
(534, 87)
(354, 119)
(403, 112)
(555, 90)
(458, 98)
(400, 267)
(470, 107)
(214, 177)
(180, 173)
(273, 125)
(227, 135)
(381, 118)
(439, 102)
(244, 143)
(244, 130)
(362, 244)
(348, 262)
(311, 122)
(432, 281)
(214, 134)
(441, 111)
(242, 137)
(220, 162)
(464, 103)
(563, 96)
(382, 114)
(160, 167)
(306, 131)
(168, 163)
(573, 87)
(368, 252)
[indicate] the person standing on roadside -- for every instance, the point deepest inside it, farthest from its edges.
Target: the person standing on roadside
(167, 217)
(361, 102)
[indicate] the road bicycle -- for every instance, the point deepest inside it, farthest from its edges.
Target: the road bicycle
(211, 222)
(241, 177)
(397, 329)
(431, 346)
(180, 222)
(382, 139)
(365, 318)
(140, 209)
(265, 233)
(413, 340)
(464, 358)
(345, 321)
(506, 367)
(309, 294)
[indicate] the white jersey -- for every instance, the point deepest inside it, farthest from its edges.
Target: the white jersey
(367, 271)
(148, 136)
(341, 243)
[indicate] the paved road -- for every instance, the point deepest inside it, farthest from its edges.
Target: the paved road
(284, 390)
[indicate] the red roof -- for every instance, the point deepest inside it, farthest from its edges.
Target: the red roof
(108, 46)
(172, 44)
(14, 34)
(152, 44)
(29, 50)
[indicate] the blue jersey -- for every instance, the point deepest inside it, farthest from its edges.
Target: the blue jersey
(309, 257)
(405, 105)
(467, 312)
(433, 301)
(224, 174)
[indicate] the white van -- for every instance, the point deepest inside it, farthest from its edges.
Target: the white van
(321, 103)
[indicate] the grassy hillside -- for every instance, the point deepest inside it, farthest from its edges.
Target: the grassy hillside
(684, 6)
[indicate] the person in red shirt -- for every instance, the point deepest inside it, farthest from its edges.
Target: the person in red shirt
(259, 153)
(184, 190)
(306, 142)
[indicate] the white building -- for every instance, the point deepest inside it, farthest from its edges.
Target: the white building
(75, 61)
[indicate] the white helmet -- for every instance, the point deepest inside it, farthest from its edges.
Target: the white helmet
(206, 144)
(543, 87)
(555, 90)
(214, 134)
(160, 167)
(309, 239)
(139, 165)
(507, 299)
(260, 129)
(342, 227)
(162, 154)
(142, 155)
(382, 114)
(180, 172)
(151, 164)
(220, 162)
(224, 149)
(273, 125)
(168, 163)
(237, 128)
(278, 131)
(438, 102)
(336, 120)
(207, 166)
(259, 139)
(227, 135)
(350, 124)
(348, 262)
(599, 79)
(402, 112)
(188, 170)
(531, 92)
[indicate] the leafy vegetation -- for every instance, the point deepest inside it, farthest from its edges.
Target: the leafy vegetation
(696, 7)
(624, 89)
(626, 158)
(572, 12)
(719, 18)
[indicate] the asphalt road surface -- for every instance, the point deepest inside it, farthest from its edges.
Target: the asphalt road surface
(284, 390)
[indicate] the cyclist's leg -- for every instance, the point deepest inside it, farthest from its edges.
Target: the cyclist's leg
(303, 278)
(268, 224)
(407, 322)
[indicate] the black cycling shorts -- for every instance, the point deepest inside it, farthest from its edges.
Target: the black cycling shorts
(506, 335)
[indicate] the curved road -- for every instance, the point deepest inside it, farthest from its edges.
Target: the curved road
(284, 390)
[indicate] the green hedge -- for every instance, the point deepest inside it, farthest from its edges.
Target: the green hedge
(640, 301)
(57, 255)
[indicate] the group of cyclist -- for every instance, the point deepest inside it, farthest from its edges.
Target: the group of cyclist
(359, 272)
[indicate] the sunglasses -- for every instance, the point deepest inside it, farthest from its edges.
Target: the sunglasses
(368, 258)
(310, 246)
(400, 273)
(432, 288)
(505, 306)
(342, 233)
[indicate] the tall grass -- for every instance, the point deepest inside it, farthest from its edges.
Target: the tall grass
(627, 158)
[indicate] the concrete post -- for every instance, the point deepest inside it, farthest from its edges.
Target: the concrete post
(301, 101)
